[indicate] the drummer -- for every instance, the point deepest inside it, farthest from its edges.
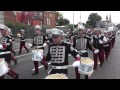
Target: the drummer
(58, 55)
(97, 47)
(80, 43)
(5, 49)
(38, 40)
(13, 58)
(106, 44)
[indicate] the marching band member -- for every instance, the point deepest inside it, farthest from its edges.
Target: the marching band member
(97, 47)
(6, 50)
(58, 55)
(113, 38)
(110, 40)
(12, 39)
(22, 42)
(89, 34)
(39, 40)
(106, 44)
(81, 44)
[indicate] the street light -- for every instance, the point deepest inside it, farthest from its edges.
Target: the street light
(80, 16)
(73, 20)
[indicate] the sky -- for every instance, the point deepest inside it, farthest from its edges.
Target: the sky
(115, 15)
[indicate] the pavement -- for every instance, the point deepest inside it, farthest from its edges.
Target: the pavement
(25, 67)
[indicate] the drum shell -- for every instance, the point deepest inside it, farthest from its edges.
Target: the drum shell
(35, 53)
(3, 67)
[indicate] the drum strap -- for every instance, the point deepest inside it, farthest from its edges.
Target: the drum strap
(59, 67)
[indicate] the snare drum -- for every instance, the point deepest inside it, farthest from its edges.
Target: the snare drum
(37, 55)
(86, 66)
(3, 67)
(56, 76)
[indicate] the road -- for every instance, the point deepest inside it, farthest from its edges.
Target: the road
(109, 70)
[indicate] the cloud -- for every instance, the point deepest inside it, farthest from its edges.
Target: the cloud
(115, 15)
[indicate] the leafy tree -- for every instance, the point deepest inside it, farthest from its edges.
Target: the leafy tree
(60, 20)
(118, 26)
(92, 20)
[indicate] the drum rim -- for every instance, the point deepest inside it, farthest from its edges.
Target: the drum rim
(82, 72)
(41, 50)
(57, 74)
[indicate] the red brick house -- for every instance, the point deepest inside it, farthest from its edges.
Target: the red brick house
(49, 18)
(9, 16)
(46, 18)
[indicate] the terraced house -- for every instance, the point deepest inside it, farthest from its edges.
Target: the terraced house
(46, 18)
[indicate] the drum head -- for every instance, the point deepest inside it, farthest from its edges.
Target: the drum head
(86, 60)
(56, 76)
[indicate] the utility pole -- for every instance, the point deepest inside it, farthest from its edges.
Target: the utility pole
(73, 20)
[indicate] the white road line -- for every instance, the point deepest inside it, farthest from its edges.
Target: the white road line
(41, 66)
(23, 55)
(18, 49)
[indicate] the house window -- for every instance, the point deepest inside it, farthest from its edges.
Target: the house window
(40, 14)
(50, 15)
(35, 14)
(26, 13)
(47, 21)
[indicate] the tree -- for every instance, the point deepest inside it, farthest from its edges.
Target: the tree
(66, 21)
(60, 20)
(58, 15)
(118, 26)
(93, 19)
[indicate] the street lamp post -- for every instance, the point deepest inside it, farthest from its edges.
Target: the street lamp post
(73, 20)
(80, 16)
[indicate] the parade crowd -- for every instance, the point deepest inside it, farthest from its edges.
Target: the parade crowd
(60, 45)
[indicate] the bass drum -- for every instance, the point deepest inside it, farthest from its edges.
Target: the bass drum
(3, 67)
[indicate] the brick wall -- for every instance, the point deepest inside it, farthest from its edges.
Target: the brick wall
(49, 19)
(9, 16)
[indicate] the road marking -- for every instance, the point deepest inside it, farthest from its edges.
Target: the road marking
(23, 55)
(18, 49)
(41, 66)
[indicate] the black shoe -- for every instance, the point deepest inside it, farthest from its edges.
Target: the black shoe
(35, 73)
(19, 53)
(100, 65)
(17, 76)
